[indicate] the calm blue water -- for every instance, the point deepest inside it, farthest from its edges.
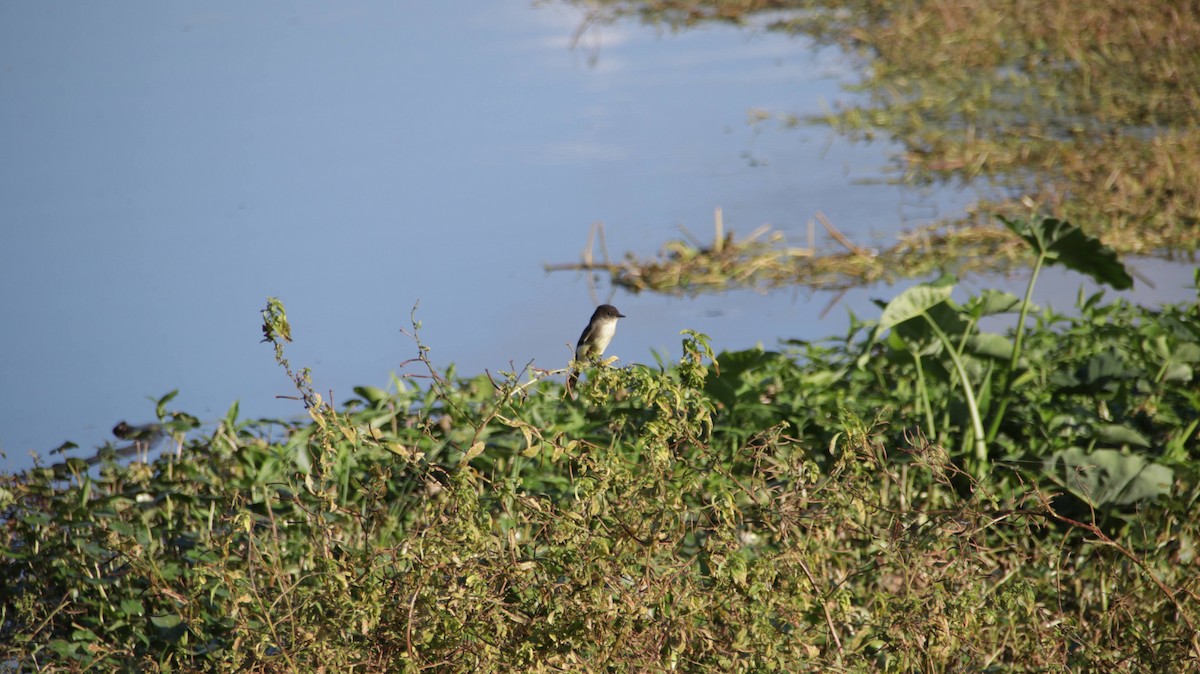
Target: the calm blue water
(168, 166)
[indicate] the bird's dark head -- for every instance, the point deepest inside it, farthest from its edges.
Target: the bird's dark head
(607, 311)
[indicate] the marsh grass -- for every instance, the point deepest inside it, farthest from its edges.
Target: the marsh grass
(765, 259)
(1087, 113)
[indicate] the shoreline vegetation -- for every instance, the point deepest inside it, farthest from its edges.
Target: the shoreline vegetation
(1086, 114)
(916, 495)
(765, 260)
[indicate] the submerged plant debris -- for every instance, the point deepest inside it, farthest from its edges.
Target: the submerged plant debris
(764, 260)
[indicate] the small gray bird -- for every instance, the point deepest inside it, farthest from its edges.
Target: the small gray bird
(595, 338)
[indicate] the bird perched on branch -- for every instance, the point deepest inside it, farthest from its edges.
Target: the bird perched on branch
(595, 338)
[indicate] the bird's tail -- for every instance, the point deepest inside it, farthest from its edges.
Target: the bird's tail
(572, 380)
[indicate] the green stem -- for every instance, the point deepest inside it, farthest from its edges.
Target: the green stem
(976, 423)
(1010, 374)
(925, 404)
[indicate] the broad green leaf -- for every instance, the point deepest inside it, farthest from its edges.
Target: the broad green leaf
(734, 366)
(1178, 363)
(84, 634)
(1103, 367)
(1188, 352)
(991, 302)
(65, 649)
(132, 607)
(1107, 476)
(165, 621)
(1116, 434)
(912, 303)
(946, 315)
(371, 394)
(1060, 241)
(171, 626)
(990, 345)
(1178, 372)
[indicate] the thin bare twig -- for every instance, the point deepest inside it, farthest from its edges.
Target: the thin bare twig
(1104, 539)
(824, 606)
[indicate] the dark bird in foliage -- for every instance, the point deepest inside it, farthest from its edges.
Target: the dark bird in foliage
(595, 338)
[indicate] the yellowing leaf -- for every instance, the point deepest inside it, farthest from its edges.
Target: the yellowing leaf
(475, 450)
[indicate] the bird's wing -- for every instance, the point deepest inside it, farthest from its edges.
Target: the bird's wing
(588, 334)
